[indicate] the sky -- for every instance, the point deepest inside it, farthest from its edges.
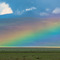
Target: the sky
(29, 23)
(29, 8)
(29, 32)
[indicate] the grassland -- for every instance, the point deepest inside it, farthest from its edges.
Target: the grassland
(30, 54)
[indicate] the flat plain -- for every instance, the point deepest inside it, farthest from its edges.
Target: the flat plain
(29, 53)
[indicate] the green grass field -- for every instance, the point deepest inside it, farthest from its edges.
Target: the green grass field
(30, 54)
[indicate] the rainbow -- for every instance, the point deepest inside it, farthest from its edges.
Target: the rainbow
(41, 32)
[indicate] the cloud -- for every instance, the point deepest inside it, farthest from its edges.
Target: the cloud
(47, 9)
(44, 14)
(18, 12)
(5, 9)
(56, 11)
(32, 8)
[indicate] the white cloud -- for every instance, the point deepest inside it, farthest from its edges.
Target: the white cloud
(32, 8)
(47, 9)
(18, 12)
(44, 14)
(56, 11)
(5, 9)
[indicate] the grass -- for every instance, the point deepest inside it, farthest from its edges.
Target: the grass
(30, 55)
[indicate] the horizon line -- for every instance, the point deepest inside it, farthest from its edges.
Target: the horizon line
(30, 47)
